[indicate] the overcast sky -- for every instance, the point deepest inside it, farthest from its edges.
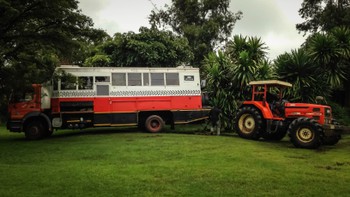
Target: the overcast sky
(272, 20)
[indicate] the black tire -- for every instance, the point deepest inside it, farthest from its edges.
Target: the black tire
(154, 124)
(331, 140)
(249, 123)
(305, 133)
(276, 136)
(34, 130)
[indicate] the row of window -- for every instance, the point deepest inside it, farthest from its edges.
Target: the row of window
(123, 79)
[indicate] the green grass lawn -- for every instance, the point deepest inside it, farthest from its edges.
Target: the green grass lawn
(126, 162)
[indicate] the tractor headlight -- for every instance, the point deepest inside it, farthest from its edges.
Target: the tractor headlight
(328, 112)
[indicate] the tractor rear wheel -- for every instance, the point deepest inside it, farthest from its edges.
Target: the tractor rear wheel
(248, 123)
(305, 133)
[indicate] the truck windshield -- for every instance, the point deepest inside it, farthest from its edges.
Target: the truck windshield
(23, 95)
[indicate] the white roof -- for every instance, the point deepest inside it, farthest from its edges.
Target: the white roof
(271, 82)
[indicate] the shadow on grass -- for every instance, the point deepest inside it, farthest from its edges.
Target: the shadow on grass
(94, 131)
(181, 130)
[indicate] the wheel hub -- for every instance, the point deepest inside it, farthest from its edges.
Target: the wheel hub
(155, 124)
(246, 123)
(305, 135)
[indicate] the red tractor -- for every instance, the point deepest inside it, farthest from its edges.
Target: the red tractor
(269, 116)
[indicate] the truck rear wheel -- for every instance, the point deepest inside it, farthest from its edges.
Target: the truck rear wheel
(248, 123)
(305, 133)
(34, 130)
(154, 124)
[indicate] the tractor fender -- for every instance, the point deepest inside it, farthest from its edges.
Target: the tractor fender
(263, 107)
(38, 114)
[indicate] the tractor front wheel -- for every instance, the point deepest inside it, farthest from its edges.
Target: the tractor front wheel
(305, 133)
(248, 123)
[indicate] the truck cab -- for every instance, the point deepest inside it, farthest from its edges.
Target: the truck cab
(29, 112)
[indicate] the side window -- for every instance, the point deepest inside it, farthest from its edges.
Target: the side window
(102, 90)
(172, 79)
(118, 79)
(134, 79)
(146, 79)
(157, 79)
(102, 79)
(85, 83)
(68, 83)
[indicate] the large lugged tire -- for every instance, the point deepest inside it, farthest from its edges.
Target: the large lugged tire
(305, 133)
(154, 124)
(249, 123)
(34, 130)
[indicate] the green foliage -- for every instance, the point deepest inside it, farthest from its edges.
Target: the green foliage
(36, 36)
(229, 73)
(205, 24)
(249, 57)
(98, 61)
(218, 71)
(324, 51)
(324, 15)
(340, 114)
(307, 79)
(318, 68)
(150, 48)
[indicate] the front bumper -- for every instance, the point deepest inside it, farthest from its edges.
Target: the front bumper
(332, 129)
(14, 125)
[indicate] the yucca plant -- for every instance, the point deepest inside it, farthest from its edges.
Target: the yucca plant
(218, 71)
(324, 51)
(228, 74)
(306, 76)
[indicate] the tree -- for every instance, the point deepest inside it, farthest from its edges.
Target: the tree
(150, 47)
(218, 72)
(324, 15)
(331, 52)
(36, 35)
(228, 73)
(249, 58)
(308, 78)
(33, 30)
(205, 24)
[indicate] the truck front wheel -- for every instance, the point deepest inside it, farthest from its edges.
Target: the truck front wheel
(154, 124)
(305, 133)
(34, 130)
